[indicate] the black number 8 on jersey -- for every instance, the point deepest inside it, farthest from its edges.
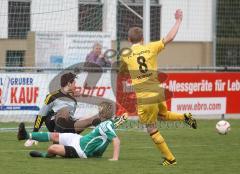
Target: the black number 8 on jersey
(142, 65)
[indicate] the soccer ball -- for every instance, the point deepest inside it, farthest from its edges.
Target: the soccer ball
(223, 127)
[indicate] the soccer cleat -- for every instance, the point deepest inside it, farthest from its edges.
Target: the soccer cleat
(120, 120)
(167, 162)
(190, 120)
(22, 133)
(35, 154)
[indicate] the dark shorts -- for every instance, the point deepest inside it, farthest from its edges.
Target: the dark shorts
(63, 121)
(50, 124)
(70, 152)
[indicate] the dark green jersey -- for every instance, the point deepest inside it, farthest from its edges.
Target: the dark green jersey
(96, 142)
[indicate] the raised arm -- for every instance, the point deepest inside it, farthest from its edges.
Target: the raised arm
(172, 33)
(116, 149)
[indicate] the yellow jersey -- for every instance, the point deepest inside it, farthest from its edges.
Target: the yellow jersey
(141, 64)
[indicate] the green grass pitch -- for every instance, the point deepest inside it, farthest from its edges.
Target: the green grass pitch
(200, 151)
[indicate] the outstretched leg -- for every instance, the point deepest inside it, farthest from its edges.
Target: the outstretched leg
(39, 136)
(64, 149)
(164, 114)
(53, 150)
(81, 125)
(148, 116)
(161, 144)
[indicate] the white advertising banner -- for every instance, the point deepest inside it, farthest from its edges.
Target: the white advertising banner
(63, 49)
(49, 49)
(199, 106)
(102, 90)
(77, 45)
(24, 93)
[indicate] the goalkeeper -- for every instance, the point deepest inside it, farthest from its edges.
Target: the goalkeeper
(72, 145)
(55, 105)
(59, 108)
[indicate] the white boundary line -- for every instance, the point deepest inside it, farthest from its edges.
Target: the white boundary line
(196, 145)
(147, 147)
(6, 151)
(13, 129)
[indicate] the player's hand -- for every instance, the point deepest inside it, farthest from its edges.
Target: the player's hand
(101, 56)
(178, 15)
(112, 159)
(119, 121)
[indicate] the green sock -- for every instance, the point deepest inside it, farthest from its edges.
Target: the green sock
(47, 155)
(27, 136)
(44, 154)
(40, 136)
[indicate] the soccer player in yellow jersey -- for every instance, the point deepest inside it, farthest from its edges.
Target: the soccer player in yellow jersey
(141, 64)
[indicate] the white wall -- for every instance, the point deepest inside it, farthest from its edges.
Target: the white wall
(196, 25)
(3, 18)
(197, 20)
(47, 15)
(109, 16)
(63, 16)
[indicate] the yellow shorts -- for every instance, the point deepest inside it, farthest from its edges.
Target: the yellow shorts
(148, 113)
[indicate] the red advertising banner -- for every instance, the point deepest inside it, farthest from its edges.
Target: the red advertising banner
(202, 93)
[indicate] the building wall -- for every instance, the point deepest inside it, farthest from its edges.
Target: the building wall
(186, 54)
(180, 54)
(175, 54)
(18, 45)
(30, 52)
(194, 40)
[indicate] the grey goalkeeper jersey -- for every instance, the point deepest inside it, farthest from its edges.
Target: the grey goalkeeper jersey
(56, 101)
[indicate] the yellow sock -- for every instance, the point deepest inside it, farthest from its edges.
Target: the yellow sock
(173, 116)
(161, 145)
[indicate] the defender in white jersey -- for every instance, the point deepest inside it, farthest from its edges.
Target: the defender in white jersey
(72, 145)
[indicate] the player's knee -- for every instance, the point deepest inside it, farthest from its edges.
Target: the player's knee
(151, 129)
(55, 136)
(163, 116)
(52, 149)
(157, 137)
